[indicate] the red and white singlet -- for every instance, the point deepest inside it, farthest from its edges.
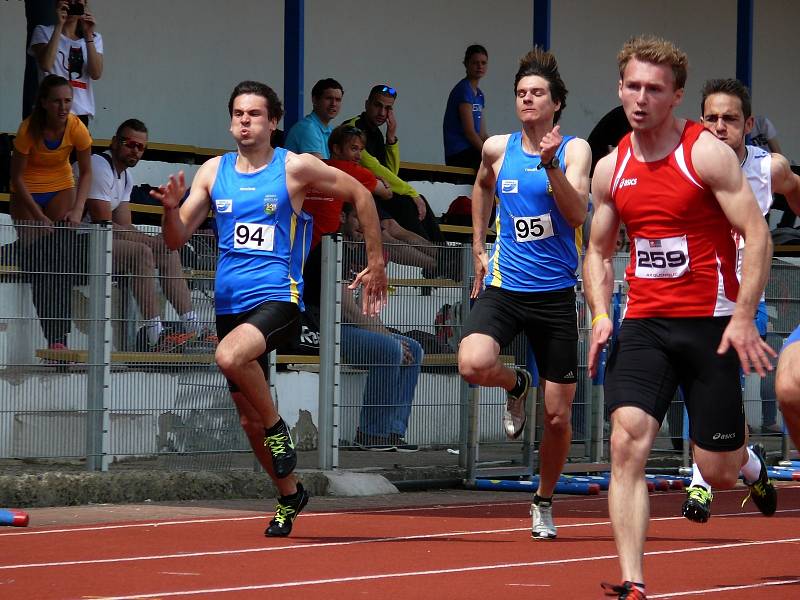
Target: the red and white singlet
(683, 257)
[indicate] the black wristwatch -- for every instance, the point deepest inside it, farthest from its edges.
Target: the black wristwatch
(553, 164)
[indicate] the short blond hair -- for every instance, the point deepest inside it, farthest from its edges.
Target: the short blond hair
(657, 51)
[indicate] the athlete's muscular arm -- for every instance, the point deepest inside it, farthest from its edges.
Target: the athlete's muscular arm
(482, 200)
(598, 271)
(570, 189)
(717, 166)
(785, 181)
(180, 221)
(303, 171)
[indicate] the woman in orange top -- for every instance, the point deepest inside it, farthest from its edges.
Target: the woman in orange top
(43, 190)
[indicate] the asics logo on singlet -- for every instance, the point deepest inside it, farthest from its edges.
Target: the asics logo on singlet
(627, 182)
(509, 186)
(724, 436)
(224, 205)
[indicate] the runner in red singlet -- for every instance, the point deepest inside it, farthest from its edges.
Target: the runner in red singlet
(678, 190)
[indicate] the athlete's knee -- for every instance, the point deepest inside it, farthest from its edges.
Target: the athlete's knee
(226, 359)
(721, 476)
(627, 448)
(475, 366)
(787, 390)
(559, 420)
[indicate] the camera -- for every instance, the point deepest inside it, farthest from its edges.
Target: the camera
(75, 9)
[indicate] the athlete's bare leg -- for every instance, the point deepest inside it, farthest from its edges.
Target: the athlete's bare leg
(787, 388)
(721, 469)
(632, 435)
(557, 434)
(236, 357)
(254, 429)
(479, 362)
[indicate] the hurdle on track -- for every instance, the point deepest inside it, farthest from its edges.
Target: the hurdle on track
(14, 518)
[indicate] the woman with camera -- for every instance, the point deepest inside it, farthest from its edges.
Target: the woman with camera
(72, 49)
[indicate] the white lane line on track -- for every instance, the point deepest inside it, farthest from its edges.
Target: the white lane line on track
(725, 589)
(419, 537)
(364, 511)
(357, 578)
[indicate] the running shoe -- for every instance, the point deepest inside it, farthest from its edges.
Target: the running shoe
(697, 506)
(281, 446)
(514, 416)
(286, 512)
(762, 490)
(626, 591)
(542, 527)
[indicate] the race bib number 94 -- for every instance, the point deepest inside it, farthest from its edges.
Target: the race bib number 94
(666, 258)
(533, 229)
(254, 236)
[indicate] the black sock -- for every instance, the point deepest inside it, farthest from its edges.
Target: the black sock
(294, 496)
(636, 584)
(519, 386)
(279, 426)
(537, 499)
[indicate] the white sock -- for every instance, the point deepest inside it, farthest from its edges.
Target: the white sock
(190, 322)
(752, 468)
(697, 478)
(154, 329)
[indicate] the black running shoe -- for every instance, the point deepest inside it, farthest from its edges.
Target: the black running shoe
(286, 512)
(281, 446)
(697, 506)
(762, 491)
(626, 591)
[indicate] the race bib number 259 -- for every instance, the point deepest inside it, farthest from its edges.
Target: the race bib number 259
(666, 258)
(254, 236)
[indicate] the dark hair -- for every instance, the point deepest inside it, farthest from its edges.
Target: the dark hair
(274, 106)
(474, 49)
(133, 125)
(325, 84)
(342, 134)
(38, 118)
(543, 64)
(731, 87)
(383, 89)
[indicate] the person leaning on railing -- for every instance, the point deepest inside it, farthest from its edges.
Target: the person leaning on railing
(44, 191)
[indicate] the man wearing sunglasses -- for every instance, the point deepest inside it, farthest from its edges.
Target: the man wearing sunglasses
(135, 253)
(381, 155)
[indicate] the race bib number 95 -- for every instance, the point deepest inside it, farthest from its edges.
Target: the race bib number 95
(533, 229)
(666, 258)
(254, 236)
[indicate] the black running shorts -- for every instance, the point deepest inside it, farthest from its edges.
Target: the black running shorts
(278, 321)
(651, 357)
(549, 320)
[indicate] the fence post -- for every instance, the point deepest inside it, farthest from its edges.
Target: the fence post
(329, 363)
(98, 380)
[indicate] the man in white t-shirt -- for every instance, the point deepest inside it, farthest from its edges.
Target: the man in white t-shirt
(72, 49)
(136, 253)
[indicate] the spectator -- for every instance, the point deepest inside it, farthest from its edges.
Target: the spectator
(764, 135)
(393, 361)
(382, 156)
(311, 134)
(136, 253)
(72, 49)
(43, 191)
(464, 127)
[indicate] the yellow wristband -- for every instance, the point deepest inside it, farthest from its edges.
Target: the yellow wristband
(598, 317)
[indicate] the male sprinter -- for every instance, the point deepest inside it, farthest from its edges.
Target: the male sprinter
(257, 195)
(678, 190)
(726, 110)
(542, 182)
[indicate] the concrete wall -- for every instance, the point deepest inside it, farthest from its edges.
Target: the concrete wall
(174, 63)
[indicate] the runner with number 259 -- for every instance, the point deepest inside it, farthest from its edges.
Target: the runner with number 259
(664, 258)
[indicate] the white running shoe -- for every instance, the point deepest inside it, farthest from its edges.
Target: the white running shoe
(543, 527)
(514, 416)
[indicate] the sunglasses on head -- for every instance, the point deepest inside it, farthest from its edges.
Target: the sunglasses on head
(132, 144)
(385, 89)
(352, 130)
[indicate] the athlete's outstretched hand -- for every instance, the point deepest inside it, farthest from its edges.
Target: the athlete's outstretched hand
(373, 280)
(601, 331)
(481, 268)
(549, 144)
(754, 353)
(171, 194)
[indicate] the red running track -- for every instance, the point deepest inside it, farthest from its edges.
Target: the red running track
(439, 552)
